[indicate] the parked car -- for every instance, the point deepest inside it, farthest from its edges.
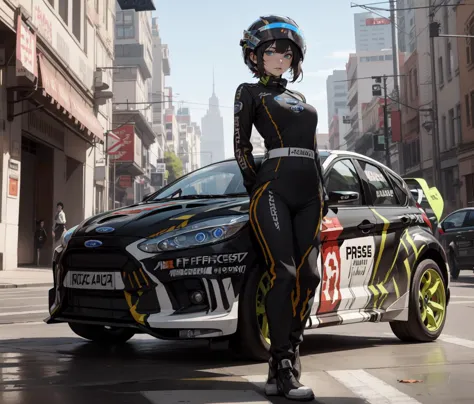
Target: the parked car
(456, 234)
(182, 263)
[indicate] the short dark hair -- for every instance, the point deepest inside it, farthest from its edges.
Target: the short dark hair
(60, 204)
(281, 46)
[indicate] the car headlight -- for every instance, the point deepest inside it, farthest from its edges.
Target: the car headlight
(67, 236)
(198, 234)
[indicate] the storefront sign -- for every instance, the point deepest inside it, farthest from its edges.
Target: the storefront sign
(13, 186)
(122, 144)
(26, 61)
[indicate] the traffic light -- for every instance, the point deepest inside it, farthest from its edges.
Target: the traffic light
(376, 90)
(435, 28)
(379, 142)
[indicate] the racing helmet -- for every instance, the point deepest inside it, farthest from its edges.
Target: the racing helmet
(270, 28)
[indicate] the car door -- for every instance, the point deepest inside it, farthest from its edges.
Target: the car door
(347, 244)
(394, 215)
(458, 237)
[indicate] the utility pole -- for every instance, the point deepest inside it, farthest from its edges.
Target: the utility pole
(434, 107)
(385, 124)
(396, 74)
(377, 92)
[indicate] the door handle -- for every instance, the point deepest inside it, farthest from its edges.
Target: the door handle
(366, 226)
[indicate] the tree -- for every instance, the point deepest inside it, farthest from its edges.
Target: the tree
(174, 166)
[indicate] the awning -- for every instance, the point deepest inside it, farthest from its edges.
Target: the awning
(55, 85)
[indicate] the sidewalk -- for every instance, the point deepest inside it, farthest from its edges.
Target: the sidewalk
(26, 277)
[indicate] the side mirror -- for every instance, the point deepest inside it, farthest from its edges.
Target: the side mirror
(341, 197)
(145, 197)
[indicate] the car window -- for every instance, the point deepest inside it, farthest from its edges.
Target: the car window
(469, 221)
(381, 190)
(399, 189)
(342, 176)
(456, 220)
(217, 179)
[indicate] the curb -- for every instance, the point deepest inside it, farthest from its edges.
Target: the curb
(24, 285)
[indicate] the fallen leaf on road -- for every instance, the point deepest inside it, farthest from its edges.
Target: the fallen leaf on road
(409, 381)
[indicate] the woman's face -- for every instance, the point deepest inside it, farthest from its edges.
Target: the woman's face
(276, 64)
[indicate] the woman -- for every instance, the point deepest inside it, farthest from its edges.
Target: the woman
(288, 199)
(40, 239)
(59, 226)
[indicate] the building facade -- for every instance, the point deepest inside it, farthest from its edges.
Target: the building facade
(54, 111)
(372, 32)
(336, 90)
(465, 26)
(132, 132)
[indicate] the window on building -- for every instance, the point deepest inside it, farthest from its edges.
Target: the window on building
(468, 110)
(125, 25)
(77, 19)
(458, 124)
(440, 71)
(449, 60)
(415, 79)
(470, 42)
(443, 131)
(451, 141)
(472, 107)
(63, 9)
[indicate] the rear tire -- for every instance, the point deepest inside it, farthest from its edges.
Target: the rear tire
(421, 325)
(248, 342)
(101, 334)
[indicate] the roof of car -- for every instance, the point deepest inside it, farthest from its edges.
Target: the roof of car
(339, 153)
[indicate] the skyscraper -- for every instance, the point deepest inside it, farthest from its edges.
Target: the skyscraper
(212, 124)
(372, 32)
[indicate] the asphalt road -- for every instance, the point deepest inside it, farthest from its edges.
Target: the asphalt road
(350, 364)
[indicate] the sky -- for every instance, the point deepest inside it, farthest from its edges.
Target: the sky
(202, 35)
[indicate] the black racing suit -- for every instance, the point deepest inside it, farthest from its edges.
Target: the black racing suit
(287, 203)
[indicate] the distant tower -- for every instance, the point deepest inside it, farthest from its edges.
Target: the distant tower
(212, 125)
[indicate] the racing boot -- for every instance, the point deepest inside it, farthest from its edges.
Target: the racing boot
(271, 388)
(296, 363)
(288, 386)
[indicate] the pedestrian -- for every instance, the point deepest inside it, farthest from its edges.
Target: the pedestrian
(59, 226)
(287, 194)
(40, 239)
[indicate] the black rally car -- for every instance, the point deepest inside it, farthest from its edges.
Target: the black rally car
(182, 264)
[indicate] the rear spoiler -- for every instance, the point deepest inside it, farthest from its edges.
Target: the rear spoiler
(433, 196)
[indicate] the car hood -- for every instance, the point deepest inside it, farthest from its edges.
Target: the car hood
(144, 219)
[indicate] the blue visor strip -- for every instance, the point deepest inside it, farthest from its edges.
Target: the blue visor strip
(280, 25)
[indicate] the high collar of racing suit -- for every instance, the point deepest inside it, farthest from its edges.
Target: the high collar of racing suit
(272, 81)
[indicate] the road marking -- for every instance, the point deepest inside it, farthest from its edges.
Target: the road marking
(23, 307)
(457, 341)
(462, 297)
(370, 388)
(28, 323)
(461, 302)
(26, 298)
(16, 313)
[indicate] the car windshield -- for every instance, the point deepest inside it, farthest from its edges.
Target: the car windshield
(221, 179)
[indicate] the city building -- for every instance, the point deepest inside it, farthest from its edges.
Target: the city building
(360, 68)
(372, 32)
(323, 141)
(406, 25)
(336, 90)
(373, 130)
(189, 150)
(449, 107)
(161, 70)
(212, 139)
(54, 111)
(339, 126)
(132, 132)
(465, 26)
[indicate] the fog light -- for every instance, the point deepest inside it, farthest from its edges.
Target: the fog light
(197, 297)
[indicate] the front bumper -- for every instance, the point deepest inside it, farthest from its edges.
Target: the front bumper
(153, 301)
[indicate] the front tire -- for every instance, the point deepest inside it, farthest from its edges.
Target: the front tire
(427, 305)
(102, 334)
(251, 340)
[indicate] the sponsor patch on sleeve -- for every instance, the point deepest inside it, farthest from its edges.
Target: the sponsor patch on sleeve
(238, 107)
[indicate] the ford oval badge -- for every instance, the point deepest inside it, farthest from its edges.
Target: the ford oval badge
(104, 229)
(93, 243)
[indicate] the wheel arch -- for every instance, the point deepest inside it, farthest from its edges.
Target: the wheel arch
(433, 253)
